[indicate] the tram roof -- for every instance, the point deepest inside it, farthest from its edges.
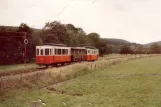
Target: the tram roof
(90, 47)
(52, 44)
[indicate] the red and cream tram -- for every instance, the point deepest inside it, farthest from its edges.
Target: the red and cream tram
(92, 54)
(53, 54)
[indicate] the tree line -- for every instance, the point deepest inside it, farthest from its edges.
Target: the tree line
(133, 49)
(56, 32)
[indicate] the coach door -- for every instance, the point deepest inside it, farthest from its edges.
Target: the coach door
(48, 55)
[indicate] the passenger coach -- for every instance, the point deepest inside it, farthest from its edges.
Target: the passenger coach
(52, 54)
(91, 54)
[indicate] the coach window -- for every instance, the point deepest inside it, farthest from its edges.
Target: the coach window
(37, 52)
(46, 51)
(88, 51)
(41, 52)
(66, 51)
(59, 51)
(63, 51)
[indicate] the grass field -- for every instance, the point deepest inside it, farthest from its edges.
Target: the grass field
(134, 83)
(17, 67)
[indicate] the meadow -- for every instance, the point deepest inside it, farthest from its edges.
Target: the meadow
(132, 83)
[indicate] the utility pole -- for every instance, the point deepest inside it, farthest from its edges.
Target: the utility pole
(25, 43)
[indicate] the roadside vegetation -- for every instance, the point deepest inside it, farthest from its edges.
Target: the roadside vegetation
(106, 83)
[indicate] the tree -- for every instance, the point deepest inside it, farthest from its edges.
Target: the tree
(125, 49)
(30, 46)
(24, 28)
(102, 51)
(110, 48)
(37, 38)
(77, 37)
(100, 43)
(55, 32)
(94, 38)
(140, 50)
(155, 49)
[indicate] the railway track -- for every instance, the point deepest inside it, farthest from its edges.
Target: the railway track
(40, 69)
(30, 70)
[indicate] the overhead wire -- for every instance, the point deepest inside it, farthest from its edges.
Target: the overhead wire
(64, 8)
(68, 5)
(93, 1)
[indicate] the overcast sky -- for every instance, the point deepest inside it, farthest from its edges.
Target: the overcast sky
(133, 20)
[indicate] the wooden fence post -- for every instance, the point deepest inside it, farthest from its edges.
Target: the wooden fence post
(1, 84)
(91, 66)
(20, 80)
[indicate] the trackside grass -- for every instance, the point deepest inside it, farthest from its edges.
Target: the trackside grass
(134, 83)
(15, 67)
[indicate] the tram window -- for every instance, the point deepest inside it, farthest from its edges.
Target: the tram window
(59, 51)
(66, 51)
(41, 51)
(46, 51)
(89, 51)
(63, 51)
(37, 52)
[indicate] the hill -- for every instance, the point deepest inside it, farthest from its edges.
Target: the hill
(115, 41)
(149, 44)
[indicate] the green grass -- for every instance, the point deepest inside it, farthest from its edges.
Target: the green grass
(17, 67)
(134, 83)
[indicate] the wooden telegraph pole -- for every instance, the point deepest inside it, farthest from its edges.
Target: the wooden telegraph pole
(25, 43)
